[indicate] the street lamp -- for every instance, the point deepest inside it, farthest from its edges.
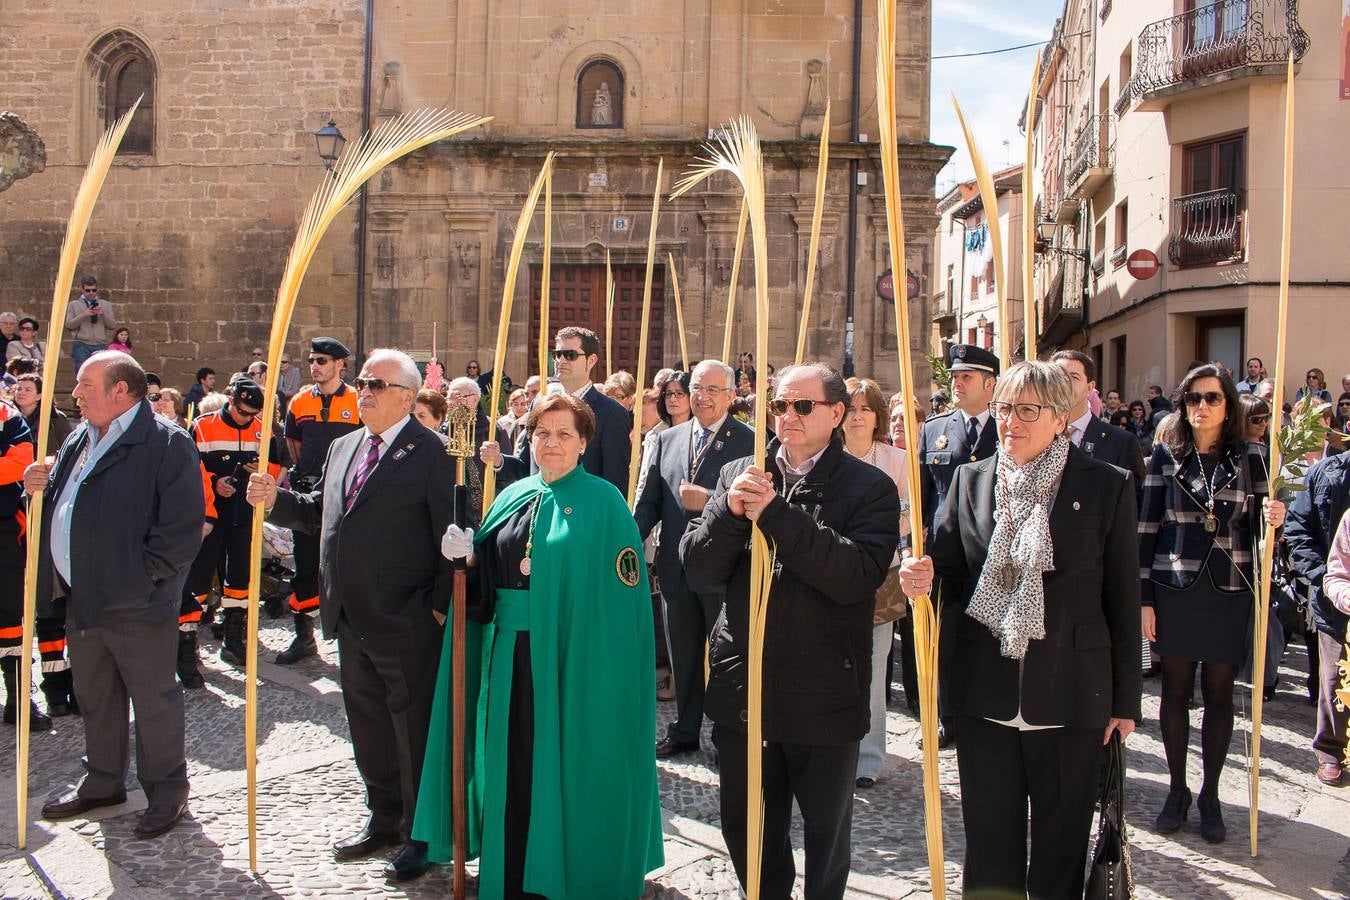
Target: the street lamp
(330, 141)
(1046, 229)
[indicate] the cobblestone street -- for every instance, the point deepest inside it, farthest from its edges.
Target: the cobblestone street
(310, 794)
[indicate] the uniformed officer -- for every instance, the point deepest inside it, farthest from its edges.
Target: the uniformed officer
(318, 415)
(227, 441)
(947, 441)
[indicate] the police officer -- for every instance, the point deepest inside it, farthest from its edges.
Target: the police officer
(228, 442)
(318, 415)
(947, 441)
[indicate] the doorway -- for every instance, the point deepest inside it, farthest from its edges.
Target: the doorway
(577, 298)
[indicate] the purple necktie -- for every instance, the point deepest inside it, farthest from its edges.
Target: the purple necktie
(363, 471)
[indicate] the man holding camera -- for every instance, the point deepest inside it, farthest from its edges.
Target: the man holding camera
(89, 319)
(317, 416)
(228, 441)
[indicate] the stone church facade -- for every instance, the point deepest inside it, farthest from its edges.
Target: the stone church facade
(190, 235)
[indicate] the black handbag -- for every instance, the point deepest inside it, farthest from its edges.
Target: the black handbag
(1110, 876)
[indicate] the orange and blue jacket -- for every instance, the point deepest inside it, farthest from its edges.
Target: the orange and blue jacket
(16, 453)
(225, 447)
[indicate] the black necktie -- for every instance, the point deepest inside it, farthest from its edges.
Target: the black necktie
(972, 434)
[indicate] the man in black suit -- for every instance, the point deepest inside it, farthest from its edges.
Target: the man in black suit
(1040, 643)
(681, 475)
(1095, 438)
(385, 497)
(576, 353)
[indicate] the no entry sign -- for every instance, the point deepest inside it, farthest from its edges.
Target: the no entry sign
(1143, 264)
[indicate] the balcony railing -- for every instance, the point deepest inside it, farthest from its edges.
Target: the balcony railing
(1206, 228)
(1062, 311)
(1119, 255)
(1099, 263)
(1093, 151)
(1124, 98)
(1105, 10)
(1216, 38)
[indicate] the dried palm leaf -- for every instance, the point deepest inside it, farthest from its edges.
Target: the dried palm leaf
(822, 168)
(679, 314)
(358, 164)
(924, 611)
(989, 196)
(609, 316)
(545, 340)
(504, 321)
(76, 227)
(1031, 321)
(735, 280)
(736, 150)
(635, 440)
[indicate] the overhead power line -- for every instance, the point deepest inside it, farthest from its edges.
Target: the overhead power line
(988, 52)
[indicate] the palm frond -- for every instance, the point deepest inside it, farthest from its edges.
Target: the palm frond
(989, 196)
(635, 439)
(822, 167)
(679, 309)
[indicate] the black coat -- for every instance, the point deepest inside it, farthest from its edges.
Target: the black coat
(137, 524)
(1113, 445)
(607, 454)
(667, 468)
(942, 450)
(380, 562)
(1086, 670)
(1314, 516)
(834, 541)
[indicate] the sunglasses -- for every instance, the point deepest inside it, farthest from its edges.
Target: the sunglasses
(801, 407)
(569, 355)
(1194, 398)
(376, 385)
(245, 411)
(90, 290)
(1259, 420)
(318, 360)
(153, 398)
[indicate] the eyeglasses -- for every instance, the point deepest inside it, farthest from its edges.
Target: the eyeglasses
(1025, 412)
(245, 411)
(90, 290)
(27, 328)
(709, 391)
(153, 398)
(801, 406)
(1259, 420)
(669, 394)
(257, 354)
(569, 355)
(376, 385)
(1313, 375)
(1193, 398)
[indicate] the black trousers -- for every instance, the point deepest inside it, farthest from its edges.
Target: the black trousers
(388, 682)
(1003, 770)
(820, 778)
(229, 544)
(305, 584)
(134, 662)
(689, 621)
(519, 771)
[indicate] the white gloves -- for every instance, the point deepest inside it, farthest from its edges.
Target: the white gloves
(457, 543)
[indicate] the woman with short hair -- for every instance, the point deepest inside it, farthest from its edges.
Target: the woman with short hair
(429, 408)
(674, 407)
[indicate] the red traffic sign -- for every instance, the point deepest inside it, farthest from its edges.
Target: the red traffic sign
(1143, 264)
(886, 285)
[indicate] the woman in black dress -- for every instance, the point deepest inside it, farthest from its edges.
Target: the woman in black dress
(1197, 536)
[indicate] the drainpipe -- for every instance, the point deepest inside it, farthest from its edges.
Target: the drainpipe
(362, 202)
(851, 281)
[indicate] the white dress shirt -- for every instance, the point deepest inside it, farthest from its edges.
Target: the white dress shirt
(63, 514)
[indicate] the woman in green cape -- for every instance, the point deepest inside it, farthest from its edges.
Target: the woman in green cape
(561, 794)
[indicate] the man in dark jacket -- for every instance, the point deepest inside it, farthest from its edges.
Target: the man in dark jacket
(835, 524)
(1313, 518)
(122, 523)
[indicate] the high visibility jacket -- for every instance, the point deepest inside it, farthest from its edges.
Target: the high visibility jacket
(316, 419)
(225, 447)
(16, 453)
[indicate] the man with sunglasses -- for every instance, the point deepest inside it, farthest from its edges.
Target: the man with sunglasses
(316, 417)
(834, 521)
(228, 442)
(385, 498)
(89, 319)
(682, 470)
(576, 353)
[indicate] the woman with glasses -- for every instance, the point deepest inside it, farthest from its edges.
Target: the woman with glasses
(168, 402)
(27, 346)
(1256, 419)
(1341, 422)
(865, 437)
(1140, 425)
(674, 407)
(1315, 386)
(1204, 497)
(1041, 655)
(563, 797)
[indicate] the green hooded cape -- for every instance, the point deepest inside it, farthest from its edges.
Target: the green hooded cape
(595, 820)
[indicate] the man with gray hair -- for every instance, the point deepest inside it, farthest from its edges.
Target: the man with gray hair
(9, 327)
(121, 526)
(465, 392)
(380, 507)
(682, 471)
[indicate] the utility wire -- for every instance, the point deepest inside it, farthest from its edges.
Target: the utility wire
(988, 52)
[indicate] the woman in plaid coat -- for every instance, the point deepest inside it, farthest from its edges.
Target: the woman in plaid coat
(1197, 530)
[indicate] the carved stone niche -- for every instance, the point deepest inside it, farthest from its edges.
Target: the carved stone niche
(813, 115)
(391, 89)
(22, 152)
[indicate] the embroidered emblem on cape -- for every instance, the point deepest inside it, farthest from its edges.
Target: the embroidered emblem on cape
(626, 567)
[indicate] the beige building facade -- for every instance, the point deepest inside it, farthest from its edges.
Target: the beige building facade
(1161, 130)
(191, 233)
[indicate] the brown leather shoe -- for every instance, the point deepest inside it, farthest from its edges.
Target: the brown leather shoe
(1329, 774)
(69, 804)
(159, 818)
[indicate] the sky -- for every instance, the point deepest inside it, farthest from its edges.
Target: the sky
(992, 89)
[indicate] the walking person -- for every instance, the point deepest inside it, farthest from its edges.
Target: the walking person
(1204, 496)
(126, 486)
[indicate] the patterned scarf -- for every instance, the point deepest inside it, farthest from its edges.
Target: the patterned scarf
(1010, 595)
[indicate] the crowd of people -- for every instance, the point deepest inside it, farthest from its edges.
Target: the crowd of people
(1038, 499)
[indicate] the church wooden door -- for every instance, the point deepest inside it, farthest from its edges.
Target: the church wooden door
(577, 297)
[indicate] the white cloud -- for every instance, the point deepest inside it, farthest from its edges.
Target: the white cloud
(958, 12)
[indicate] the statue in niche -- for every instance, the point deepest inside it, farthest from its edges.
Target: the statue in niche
(602, 106)
(391, 90)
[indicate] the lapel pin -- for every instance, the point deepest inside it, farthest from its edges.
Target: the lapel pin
(1077, 506)
(1088, 445)
(567, 510)
(717, 445)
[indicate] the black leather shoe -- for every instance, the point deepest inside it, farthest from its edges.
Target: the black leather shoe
(408, 863)
(69, 804)
(159, 818)
(365, 843)
(1174, 811)
(668, 747)
(1212, 828)
(945, 738)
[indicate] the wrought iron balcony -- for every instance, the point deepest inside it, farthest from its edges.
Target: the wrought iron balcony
(1062, 311)
(1123, 100)
(1218, 40)
(1105, 10)
(1093, 156)
(1207, 228)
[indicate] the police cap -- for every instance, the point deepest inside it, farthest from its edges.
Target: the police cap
(969, 358)
(329, 347)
